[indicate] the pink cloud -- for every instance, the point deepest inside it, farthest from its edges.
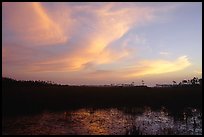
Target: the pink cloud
(88, 30)
(30, 24)
(106, 25)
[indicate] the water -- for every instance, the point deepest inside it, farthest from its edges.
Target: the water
(105, 122)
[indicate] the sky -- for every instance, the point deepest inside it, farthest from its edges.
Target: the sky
(102, 43)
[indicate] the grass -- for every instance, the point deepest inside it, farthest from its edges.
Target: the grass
(20, 97)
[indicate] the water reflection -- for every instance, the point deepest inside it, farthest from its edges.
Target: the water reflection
(106, 121)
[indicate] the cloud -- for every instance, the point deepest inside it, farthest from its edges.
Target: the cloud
(94, 30)
(83, 34)
(143, 68)
(29, 24)
(158, 67)
(163, 53)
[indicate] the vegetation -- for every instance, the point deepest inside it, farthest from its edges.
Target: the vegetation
(24, 97)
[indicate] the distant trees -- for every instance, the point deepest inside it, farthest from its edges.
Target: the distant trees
(191, 82)
(132, 84)
(143, 83)
(9, 82)
(184, 82)
(194, 81)
(200, 81)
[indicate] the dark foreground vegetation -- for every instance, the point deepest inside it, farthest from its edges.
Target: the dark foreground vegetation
(28, 97)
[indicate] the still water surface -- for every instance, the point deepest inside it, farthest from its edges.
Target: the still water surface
(105, 122)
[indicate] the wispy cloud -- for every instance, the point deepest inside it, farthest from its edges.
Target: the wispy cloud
(164, 53)
(95, 29)
(158, 67)
(29, 24)
(86, 36)
(142, 68)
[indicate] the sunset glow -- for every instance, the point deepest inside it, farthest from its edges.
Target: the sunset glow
(101, 43)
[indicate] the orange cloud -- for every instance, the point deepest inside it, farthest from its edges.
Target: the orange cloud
(30, 24)
(93, 32)
(158, 67)
(108, 26)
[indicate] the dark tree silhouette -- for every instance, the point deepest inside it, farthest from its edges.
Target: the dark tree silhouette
(200, 81)
(143, 83)
(174, 82)
(184, 81)
(132, 84)
(194, 81)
